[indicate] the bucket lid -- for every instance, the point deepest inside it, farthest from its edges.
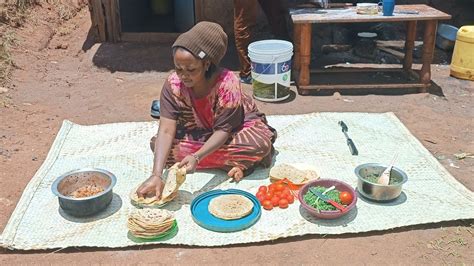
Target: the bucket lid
(271, 47)
(466, 34)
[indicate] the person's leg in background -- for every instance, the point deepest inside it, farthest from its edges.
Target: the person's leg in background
(245, 16)
(276, 13)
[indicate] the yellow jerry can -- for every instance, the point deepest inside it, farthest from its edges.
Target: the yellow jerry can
(462, 63)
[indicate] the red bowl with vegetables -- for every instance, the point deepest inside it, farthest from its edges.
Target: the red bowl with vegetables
(341, 194)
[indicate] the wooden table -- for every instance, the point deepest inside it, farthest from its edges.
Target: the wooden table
(303, 18)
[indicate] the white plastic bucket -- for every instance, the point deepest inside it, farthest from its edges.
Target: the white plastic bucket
(271, 69)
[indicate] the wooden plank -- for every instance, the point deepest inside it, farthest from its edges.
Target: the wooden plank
(409, 45)
(410, 79)
(98, 19)
(362, 86)
(305, 54)
(150, 37)
(350, 70)
(108, 19)
(112, 19)
(428, 50)
(349, 15)
(94, 30)
(115, 20)
(399, 44)
(296, 43)
(396, 53)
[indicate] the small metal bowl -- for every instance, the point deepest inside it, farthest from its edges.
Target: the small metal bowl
(67, 183)
(375, 191)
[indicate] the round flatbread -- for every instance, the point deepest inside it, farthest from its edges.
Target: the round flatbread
(175, 177)
(139, 200)
(230, 207)
(151, 216)
(298, 175)
(146, 223)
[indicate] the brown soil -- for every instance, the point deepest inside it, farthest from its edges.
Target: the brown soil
(106, 83)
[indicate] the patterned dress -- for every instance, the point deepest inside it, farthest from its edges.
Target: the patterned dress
(225, 108)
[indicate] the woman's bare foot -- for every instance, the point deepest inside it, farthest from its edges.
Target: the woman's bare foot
(236, 173)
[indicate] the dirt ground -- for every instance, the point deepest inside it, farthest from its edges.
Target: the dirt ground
(105, 83)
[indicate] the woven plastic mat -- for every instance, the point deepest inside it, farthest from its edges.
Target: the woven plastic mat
(431, 194)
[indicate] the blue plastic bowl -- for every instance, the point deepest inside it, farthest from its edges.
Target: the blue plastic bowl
(446, 36)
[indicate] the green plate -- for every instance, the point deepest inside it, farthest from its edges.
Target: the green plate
(161, 237)
(143, 206)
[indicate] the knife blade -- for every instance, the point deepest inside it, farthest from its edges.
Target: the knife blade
(327, 199)
(350, 143)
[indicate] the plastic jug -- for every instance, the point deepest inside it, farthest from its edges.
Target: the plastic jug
(462, 63)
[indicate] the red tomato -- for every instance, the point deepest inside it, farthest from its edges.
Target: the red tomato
(345, 197)
(262, 189)
(283, 203)
(269, 195)
(279, 187)
(271, 187)
(275, 200)
(290, 199)
(277, 193)
(260, 196)
(285, 193)
(267, 205)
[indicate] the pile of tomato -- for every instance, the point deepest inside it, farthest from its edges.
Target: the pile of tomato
(275, 195)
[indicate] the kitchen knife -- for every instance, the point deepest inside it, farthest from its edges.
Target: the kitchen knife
(350, 143)
(327, 199)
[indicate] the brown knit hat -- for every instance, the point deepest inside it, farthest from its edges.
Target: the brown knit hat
(206, 40)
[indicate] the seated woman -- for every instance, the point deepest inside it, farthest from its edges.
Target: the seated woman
(207, 121)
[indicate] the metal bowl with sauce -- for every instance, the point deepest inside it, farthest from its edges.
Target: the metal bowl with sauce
(67, 185)
(378, 192)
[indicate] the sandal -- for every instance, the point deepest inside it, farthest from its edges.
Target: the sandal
(155, 109)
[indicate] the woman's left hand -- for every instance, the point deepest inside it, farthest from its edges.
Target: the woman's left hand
(190, 163)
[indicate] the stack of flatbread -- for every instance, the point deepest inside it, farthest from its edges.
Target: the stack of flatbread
(175, 177)
(150, 223)
(296, 175)
(230, 207)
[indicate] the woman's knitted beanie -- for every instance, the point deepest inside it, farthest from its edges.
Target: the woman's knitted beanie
(206, 40)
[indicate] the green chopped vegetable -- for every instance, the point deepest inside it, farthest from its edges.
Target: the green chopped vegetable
(317, 203)
(374, 177)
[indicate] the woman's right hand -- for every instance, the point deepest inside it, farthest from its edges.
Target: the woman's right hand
(151, 187)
